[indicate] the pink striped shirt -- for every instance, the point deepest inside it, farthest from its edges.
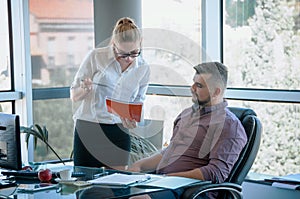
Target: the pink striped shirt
(210, 138)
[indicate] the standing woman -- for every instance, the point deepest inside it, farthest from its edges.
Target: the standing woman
(116, 71)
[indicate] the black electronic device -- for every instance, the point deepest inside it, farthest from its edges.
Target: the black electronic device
(32, 174)
(10, 144)
(5, 183)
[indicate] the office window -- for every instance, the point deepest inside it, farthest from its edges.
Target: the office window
(178, 40)
(5, 65)
(261, 44)
(6, 107)
(261, 49)
(56, 115)
(172, 57)
(58, 39)
(162, 108)
(278, 154)
(58, 33)
(6, 72)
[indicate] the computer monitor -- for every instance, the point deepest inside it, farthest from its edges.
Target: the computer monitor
(10, 144)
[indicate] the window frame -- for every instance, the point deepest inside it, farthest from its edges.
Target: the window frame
(11, 94)
(22, 94)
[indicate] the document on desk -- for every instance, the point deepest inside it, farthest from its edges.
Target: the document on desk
(291, 181)
(120, 179)
(286, 185)
(291, 178)
(168, 182)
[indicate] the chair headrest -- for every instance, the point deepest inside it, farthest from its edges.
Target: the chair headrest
(241, 113)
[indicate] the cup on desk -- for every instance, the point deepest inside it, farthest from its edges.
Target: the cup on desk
(65, 174)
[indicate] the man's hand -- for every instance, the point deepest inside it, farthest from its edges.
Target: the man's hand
(127, 123)
(145, 196)
(135, 168)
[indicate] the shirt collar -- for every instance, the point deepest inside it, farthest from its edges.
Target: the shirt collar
(208, 109)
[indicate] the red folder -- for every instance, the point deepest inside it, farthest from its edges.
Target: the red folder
(127, 110)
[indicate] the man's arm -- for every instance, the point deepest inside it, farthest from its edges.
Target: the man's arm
(195, 173)
(146, 164)
(225, 152)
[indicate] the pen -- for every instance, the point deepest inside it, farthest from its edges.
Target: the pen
(100, 174)
(113, 186)
(144, 180)
(95, 83)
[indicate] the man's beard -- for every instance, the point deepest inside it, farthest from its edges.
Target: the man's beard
(201, 102)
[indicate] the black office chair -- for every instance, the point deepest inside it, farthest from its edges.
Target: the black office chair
(232, 188)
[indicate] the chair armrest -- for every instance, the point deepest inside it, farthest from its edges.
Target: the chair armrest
(234, 189)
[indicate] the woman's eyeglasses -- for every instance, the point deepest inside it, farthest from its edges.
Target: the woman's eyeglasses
(132, 54)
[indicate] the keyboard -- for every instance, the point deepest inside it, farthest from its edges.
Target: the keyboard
(7, 183)
(26, 173)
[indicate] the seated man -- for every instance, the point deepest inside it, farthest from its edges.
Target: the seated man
(207, 138)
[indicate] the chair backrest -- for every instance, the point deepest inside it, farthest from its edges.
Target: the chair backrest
(247, 156)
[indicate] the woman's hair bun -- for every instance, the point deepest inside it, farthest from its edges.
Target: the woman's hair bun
(125, 20)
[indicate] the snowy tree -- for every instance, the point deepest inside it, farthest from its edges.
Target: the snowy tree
(234, 8)
(273, 47)
(270, 62)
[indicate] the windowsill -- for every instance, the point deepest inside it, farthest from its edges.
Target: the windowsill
(55, 162)
(257, 178)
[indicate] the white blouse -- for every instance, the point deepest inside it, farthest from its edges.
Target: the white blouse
(109, 81)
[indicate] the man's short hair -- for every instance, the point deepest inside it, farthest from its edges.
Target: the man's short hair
(218, 71)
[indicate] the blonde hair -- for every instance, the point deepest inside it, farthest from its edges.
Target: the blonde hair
(126, 30)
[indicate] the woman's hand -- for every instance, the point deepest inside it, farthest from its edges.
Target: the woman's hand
(81, 91)
(127, 123)
(86, 84)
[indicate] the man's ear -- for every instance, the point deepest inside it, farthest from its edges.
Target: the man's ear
(217, 92)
